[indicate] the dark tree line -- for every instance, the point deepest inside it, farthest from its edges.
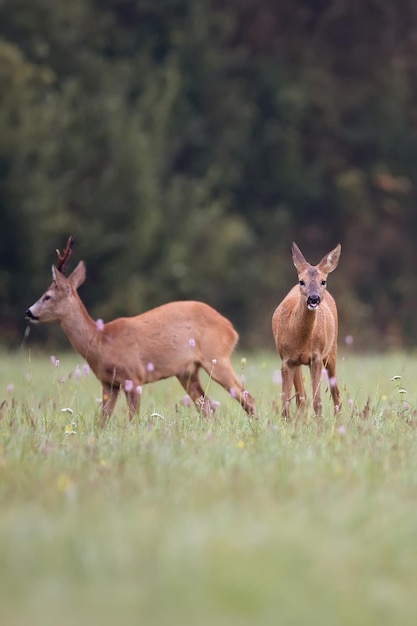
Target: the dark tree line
(186, 143)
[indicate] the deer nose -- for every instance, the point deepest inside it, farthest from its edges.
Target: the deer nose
(313, 302)
(29, 315)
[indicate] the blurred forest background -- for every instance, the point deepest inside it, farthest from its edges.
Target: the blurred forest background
(186, 143)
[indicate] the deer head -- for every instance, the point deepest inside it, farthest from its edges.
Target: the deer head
(313, 278)
(54, 303)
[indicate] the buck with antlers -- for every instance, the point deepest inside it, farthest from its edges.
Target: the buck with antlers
(305, 330)
(175, 339)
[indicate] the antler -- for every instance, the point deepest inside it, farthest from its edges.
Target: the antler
(63, 259)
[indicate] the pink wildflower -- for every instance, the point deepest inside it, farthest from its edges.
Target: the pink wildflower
(150, 367)
(192, 343)
(186, 400)
(128, 385)
(139, 390)
(277, 377)
(100, 325)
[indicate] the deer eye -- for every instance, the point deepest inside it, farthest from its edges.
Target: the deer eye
(323, 282)
(45, 298)
(302, 283)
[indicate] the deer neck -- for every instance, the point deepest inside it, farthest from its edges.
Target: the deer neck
(80, 329)
(305, 319)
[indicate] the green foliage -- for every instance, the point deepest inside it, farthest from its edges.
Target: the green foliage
(187, 142)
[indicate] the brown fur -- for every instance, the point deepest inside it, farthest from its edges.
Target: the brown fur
(175, 339)
(308, 337)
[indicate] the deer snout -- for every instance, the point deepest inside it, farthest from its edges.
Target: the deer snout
(313, 302)
(29, 316)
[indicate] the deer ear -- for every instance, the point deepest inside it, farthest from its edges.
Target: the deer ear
(331, 260)
(77, 276)
(297, 257)
(57, 277)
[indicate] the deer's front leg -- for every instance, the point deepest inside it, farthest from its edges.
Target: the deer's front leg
(110, 395)
(300, 394)
(133, 403)
(315, 368)
(287, 374)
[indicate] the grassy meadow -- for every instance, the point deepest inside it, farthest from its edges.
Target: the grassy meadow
(176, 519)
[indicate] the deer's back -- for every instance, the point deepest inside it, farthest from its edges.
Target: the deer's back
(171, 334)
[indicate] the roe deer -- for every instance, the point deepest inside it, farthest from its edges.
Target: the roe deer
(175, 339)
(305, 329)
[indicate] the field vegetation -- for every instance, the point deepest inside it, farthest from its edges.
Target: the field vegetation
(176, 519)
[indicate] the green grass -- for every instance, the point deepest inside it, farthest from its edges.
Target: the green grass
(175, 519)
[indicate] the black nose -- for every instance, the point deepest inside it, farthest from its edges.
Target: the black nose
(29, 315)
(313, 300)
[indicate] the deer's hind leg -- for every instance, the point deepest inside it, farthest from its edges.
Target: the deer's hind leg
(192, 385)
(222, 372)
(330, 366)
